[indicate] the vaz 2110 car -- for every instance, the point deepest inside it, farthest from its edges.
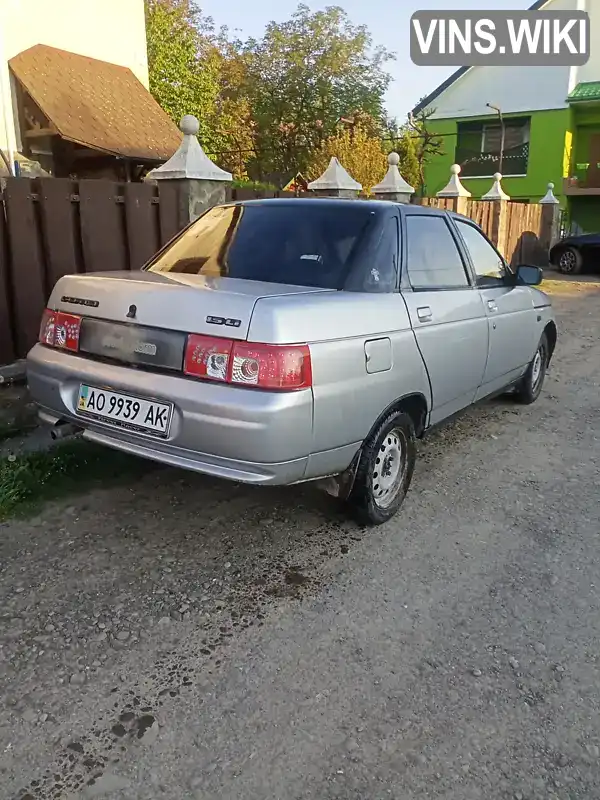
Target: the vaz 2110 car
(289, 340)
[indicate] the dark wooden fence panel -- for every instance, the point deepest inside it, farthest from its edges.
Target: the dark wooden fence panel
(52, 227)
(59, 209)
(248, 194)
(8, 352)
(28, 271)
(141, 218)
(103, 229)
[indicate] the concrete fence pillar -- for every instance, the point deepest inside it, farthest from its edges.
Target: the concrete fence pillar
(499, 226)
(496, 192)
(199, 183)
(335, 182)
(393, 187)
(550, 222)
(455, 191)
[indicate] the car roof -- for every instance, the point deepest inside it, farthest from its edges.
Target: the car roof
(373, 205)
(323, 201)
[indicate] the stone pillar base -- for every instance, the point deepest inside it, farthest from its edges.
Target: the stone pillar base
(195, 196)
(345, 194)
(393, 197)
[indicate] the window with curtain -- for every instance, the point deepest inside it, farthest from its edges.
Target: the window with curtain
(515, 135)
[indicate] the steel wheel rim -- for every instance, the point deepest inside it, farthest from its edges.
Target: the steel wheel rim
(567, 261)
(390, 468)
(536, 370)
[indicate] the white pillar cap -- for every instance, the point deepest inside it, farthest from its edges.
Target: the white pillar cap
(496, 192)
(549, 198)
(393, 182)
(454, 187)
(189, 160)
(335, 177)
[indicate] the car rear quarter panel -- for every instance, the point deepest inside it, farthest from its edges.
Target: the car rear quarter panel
(342, 330)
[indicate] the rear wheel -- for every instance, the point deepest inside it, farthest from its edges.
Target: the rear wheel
(384, 471)
(570, 261)
(531, 383)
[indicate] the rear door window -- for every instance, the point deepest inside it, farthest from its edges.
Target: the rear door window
(301, 243)
(378, 271)
(433, 259)
(383, 276)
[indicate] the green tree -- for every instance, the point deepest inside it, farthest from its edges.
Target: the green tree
(194, 70)
(359, 149)
(303, 76)
(231, 120)
(182, 61)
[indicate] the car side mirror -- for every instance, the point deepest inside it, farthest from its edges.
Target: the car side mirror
(529, 276)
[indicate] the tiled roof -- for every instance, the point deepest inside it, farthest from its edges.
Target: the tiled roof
(100, 105)
(585, 92)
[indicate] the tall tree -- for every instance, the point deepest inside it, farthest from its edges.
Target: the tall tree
(303, 76)
(358, 147)
(195, 70)
(231, 121)
(428, 144)
(182, 61)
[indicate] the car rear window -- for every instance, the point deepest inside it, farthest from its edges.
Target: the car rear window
(297, 243)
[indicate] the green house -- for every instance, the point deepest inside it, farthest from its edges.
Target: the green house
(546, 118)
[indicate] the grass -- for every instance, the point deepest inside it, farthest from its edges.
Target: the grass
(28, 480)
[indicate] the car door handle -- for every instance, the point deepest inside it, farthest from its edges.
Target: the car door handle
(424, 314)
(492, 305)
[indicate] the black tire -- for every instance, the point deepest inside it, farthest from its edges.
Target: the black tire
(570, 261)
(531, 383)
(369, 502)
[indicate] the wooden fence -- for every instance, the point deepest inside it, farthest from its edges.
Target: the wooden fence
(520, 231)
(52, 227)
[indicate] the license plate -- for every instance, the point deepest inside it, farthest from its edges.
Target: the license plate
(124, 410)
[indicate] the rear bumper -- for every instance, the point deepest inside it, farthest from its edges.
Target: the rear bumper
(240, 434)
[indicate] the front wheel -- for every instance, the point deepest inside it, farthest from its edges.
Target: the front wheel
(531, 383)
(384, 471)
(570, 261)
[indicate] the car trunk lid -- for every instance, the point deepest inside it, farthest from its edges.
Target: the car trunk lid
(143, 318)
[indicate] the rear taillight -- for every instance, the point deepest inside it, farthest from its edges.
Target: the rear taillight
(207, 357)
(60, 330)
(266, 366)
(271, 366)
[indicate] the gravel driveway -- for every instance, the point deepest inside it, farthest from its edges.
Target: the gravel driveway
(186, 638)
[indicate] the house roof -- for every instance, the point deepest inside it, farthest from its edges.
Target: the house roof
(426, 101)
(96, 104)
(585, 92)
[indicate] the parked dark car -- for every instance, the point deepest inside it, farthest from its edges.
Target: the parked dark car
(576, 253)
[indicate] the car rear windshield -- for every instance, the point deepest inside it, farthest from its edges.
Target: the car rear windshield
(298, 243)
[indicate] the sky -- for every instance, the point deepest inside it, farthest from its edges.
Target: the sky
(387, 21)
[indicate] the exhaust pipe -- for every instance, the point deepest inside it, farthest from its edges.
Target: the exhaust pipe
(63, 430)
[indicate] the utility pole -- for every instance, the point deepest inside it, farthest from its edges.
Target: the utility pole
(502, 133)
